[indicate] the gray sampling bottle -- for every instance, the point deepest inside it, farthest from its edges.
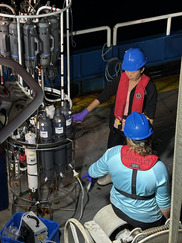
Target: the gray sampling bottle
(45, 127)
(59, 135)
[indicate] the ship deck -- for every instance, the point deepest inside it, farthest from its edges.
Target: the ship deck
(91, 142)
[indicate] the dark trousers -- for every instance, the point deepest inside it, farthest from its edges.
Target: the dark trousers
(136, 223)
(116, 137)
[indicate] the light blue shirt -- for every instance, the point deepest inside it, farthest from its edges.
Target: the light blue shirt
(154, 180)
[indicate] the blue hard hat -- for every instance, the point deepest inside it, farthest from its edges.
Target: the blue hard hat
(134, 59)
(137, 126)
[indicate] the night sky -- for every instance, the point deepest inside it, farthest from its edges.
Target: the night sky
(99, 12)
(95, 13)
(92, 13)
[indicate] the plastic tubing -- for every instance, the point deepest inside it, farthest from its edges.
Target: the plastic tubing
(47, 7)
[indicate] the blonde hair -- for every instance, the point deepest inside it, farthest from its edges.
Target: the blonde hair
(141, 147)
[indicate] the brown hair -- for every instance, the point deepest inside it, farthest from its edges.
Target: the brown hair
(142, 147)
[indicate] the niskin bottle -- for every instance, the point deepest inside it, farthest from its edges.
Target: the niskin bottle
(45, 128)
(59, 134)
(65, 109)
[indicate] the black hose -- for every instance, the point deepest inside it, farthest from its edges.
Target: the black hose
(6, 131)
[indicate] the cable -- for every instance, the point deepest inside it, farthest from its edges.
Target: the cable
(21, 223)
(113, 65)
(76, 175)
(82, 198)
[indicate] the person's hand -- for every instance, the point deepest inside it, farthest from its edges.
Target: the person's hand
(79, 117)
(90, 180)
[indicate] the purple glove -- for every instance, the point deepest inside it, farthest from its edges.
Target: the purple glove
(79, 117)
(89, 178)
(91, 181)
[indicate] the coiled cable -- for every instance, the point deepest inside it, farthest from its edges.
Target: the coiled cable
(113, 65)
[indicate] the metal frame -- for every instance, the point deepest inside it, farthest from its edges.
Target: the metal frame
(56, 11)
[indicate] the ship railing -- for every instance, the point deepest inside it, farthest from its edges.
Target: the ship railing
(96, 29)
(168, 17)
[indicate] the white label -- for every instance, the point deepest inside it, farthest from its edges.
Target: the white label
(68, 122)
(44, 134)
(58, 130)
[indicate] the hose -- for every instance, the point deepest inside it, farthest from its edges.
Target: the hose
(113, 63)
(137, 236)
(31, 107)
(75, 222)
(76, 175)
(154, 230)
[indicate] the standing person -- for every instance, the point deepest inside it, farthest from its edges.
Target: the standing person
(140, 194)
(134, 92)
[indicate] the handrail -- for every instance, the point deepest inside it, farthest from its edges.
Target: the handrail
(96, 29)
(146, 20)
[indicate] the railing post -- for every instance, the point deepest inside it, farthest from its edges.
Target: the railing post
(176, 199)
(168, 29)
(115, 35)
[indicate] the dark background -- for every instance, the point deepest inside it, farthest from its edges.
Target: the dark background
(94, 13)
(99, 12)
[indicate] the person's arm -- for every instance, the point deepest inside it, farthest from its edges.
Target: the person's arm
(79, 117)
(151, 121)
(151, 101)
(109, 90)
(166, 212)
(93, 105)
(163, 197)
(100, 167)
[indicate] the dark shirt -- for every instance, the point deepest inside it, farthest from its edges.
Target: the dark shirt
(150, 100)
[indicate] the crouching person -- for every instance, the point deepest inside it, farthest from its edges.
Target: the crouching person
(140, 194)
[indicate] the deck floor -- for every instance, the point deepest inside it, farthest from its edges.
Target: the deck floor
(91, 143)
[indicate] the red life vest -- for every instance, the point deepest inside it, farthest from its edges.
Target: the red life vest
(136, 161)
(122, 91)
